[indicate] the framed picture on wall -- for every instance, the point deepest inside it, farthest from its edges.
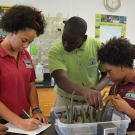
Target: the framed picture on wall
(108, 26)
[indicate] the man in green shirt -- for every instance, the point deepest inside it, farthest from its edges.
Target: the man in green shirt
(74, 66)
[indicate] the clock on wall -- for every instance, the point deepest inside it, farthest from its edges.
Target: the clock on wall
(112, 5)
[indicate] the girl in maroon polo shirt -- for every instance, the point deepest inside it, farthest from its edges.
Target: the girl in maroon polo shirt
(117, 56)
(17, 75)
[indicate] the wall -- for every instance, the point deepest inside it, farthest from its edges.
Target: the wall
(83, 8)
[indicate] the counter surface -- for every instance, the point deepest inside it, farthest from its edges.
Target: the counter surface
(46, 84)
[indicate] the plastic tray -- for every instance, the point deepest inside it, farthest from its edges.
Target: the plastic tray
(119, 119)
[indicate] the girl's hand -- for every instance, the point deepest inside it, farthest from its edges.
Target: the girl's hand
(3, 129)
(28, 124)
(40, 117)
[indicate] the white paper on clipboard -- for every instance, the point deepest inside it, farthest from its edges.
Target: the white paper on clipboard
(12, 128)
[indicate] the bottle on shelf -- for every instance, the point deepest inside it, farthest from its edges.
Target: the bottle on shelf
(39, 73)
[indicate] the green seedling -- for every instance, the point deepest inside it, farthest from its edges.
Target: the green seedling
(92, 114)
(114, 92)
(67, 109)
(71, 111)
(104, 94)
(84, 119)
(101, 113)
(75, 114)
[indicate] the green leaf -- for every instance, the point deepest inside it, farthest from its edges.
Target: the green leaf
(105, 112)
(67, 110)
(104, 94)
(90, 114)
(114, 91)
(99, 116)
(71, 111)
(84, 115)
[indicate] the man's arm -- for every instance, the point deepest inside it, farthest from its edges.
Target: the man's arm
(92, 97)
(103, 82)
(61, 78)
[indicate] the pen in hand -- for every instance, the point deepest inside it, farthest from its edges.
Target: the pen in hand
(26, 113)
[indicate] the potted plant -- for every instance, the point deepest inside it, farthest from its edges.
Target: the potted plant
(83, 119)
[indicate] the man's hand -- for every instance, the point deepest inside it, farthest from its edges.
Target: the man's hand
(119, 103)
(93, 97)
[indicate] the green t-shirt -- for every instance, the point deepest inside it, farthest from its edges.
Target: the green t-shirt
(80, 64)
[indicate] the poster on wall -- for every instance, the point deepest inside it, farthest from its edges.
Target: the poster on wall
(3, 9)
(108, 26)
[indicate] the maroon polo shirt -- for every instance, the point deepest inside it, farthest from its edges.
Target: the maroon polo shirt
(127, 92)
(15, 79)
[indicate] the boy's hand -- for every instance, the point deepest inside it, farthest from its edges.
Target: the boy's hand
(119, 103)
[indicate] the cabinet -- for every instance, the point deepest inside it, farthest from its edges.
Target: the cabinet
(46, 99)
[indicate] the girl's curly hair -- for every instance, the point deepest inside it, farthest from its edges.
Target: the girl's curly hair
(21, 17)
(117, 52)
